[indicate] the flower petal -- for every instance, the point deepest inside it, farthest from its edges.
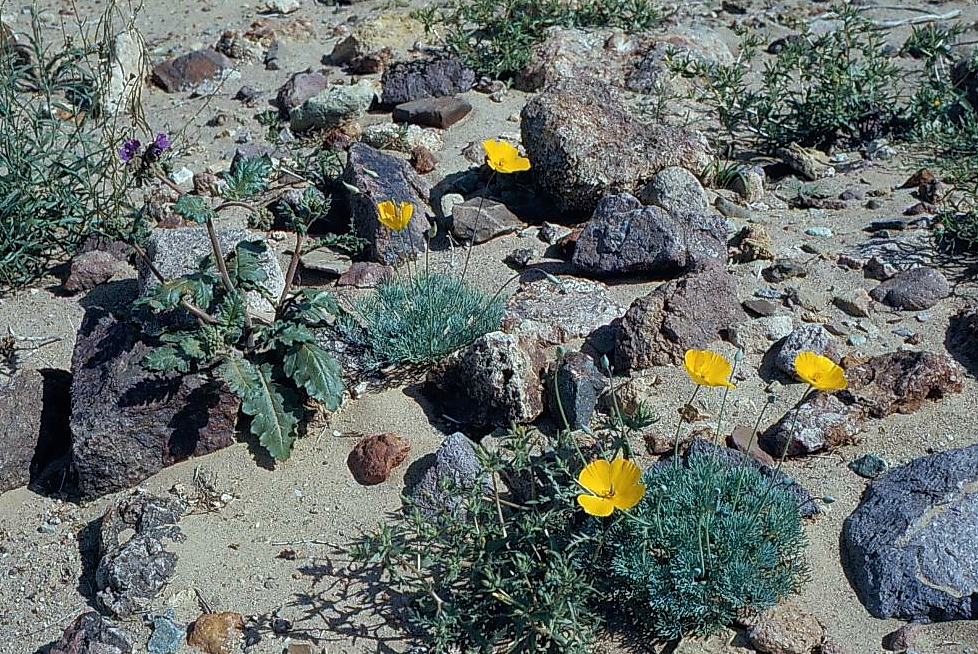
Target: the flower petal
(624, 473)
(406, 211)
(593, 505)
(596, 477)
(819, 371)
(628, 496)
(387, 214)
(707, 368)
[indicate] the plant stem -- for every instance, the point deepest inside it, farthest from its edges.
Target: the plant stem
(199, 313)
(293, 267)
(675, 438)
(723, 404)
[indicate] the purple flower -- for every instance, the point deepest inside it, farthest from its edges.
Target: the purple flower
(161, 142)
(128, 150)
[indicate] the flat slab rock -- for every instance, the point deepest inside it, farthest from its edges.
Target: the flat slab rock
(557, 313)
(909, 547)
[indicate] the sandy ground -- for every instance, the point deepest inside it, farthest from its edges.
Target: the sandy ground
(266, 547)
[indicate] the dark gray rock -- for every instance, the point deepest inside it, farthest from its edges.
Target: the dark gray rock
(869, 466)
(433, 112)
(807, 504)
(573, 133)
(912, 290)
(493, 382)
(782, 270)
(389, 178)
(299, 88)
(478, 220)
(579, 383)
(456, 468)
(692, 312)
(90, 633)
(962, 337)
(909, 547)
(811, 337)
(624, 237)
(34, 437)
(128, 423)
(406, 81)
(188, 71)
(131, 573)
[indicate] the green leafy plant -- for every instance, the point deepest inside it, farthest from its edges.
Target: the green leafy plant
(423, 317)
(495, 38)
(487, 572)
(275, 366)
(818, 90)
(707, 545)
(60, 176)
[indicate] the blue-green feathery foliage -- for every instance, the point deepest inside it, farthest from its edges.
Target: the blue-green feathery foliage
(422, 318)
(710, 543)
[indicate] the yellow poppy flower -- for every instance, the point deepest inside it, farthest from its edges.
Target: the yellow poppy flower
(503, 157)
(820, 372)
(707, 368)
(395, 216)
(612, 485)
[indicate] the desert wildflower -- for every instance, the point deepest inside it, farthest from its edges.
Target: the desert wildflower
(707, 368)
(820, 372)
(128, 150)
(395, 216)
(611, 485)
(503, 157)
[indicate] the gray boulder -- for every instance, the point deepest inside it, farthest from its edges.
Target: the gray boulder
(176, 252)
(909, 547)
(379, 177)
(624, 237)
(132, 572)
(493, 382)
(127, 422)
(432, 77)
(557, 313)
(454, 471)
(811, 337)
(579, 383)
(574, 133)
(333, 106)
(677, 191)
(34, 440)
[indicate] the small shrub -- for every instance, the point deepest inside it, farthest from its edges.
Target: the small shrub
(495, 38)
(818, 90)
(488, 576)
(423, 317)
(708, 543)
(60, 176)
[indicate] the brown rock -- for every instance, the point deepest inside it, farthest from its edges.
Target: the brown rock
(441, 112)
(479, 220)
(900, 382)
(785, 629)
(89, 269)
(423, 160)
(902, 639)
(299, 88)
(217, 633)
(90, 633)
(922, 176)
(365, 274)
(741, 437)
(373, 458)
(34, 433)
(185, 72)
(824, 421)
(692, 312)
(750, 244)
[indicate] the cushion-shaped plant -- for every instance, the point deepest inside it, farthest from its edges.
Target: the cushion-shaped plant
(708, 542)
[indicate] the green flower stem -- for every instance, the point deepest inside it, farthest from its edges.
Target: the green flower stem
(743, 461)
(626, 447)
(787, 444)
(675, 438)
(196, 311)
(723, 403)
(293, 267)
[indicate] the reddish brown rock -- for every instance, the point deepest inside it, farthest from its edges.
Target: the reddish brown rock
(217, 633)
(365, 274)
(423, 160)
(185, 72)
(90, 633)
(299, 88)
(89, 269)
(375, 456)
(900, 382)
(433, 112)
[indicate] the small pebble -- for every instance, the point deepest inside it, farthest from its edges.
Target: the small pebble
(924, 316)
(856, 340)
(869, 466)
(821, 232)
